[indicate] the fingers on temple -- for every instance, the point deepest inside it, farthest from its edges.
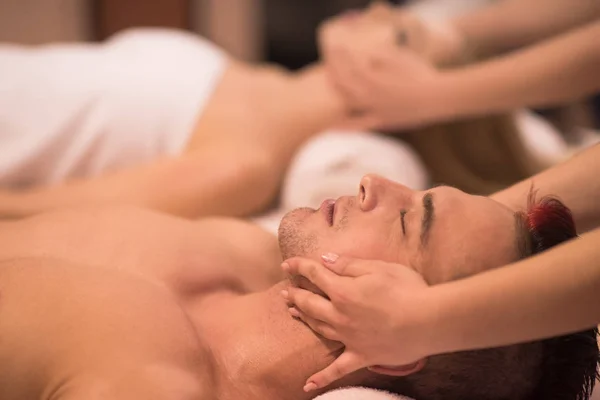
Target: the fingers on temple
(342, 366)
(311, 304)
(314, 271)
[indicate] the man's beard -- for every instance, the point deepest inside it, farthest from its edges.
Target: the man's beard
(294, 240)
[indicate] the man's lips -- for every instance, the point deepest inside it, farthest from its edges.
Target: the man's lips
(327, 208)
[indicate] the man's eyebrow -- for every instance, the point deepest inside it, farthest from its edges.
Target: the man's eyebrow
(428, 217)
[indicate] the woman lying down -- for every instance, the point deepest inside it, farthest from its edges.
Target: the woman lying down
(127, 304)
(163, 119)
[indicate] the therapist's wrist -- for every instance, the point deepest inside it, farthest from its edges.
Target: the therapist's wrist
(434, 338)
(421, 322)
(445, 318)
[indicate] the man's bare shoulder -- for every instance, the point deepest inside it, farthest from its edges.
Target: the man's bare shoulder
(98, 325)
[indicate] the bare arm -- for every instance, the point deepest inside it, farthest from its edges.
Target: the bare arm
(554, 293)
(242, 146)
(208, 181)
(509, 24)
(492, 29)
(575, 182)
(559, 70)
(398, 89)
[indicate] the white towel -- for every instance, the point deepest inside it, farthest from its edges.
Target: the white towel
(359, 393)
(72, 110)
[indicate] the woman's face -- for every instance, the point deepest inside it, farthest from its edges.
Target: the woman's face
(369, 28)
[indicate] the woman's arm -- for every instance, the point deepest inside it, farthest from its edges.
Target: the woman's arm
(394, 88)
(558, 70)
(243, 144)
(552, 294)
(510, 24)
(376, 308)
(575, 182)
(208, 181)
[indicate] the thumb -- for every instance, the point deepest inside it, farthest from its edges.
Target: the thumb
(342, 366)
(345, 266)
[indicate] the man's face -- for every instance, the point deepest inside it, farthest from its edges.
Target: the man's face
(442, 233)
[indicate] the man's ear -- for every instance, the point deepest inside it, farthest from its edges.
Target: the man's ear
(401, 370)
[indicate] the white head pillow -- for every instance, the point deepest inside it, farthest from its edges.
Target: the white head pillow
(359, 393)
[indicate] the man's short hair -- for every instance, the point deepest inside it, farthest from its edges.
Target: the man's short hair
(561, 368)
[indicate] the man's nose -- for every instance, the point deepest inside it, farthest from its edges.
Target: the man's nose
(370, 191)
(374, 189)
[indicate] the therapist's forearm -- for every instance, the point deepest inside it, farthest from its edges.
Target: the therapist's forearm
(510, 24)
(575, 182)
(559, 70)
(555, 293)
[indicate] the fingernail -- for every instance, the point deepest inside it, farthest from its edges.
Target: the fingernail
(310, 386)
(294, 312)
(330, 257)
(285, 266)
(285, 294)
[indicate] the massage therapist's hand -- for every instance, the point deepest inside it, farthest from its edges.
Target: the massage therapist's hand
(381, 25)
(386, 89)
(376, 309)
(354, 30)
(381, 61)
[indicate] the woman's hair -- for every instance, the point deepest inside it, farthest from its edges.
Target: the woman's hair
(561, 368)
(478, 155)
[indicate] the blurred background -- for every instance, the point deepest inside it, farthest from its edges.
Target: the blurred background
(281, 31)
(275, 30)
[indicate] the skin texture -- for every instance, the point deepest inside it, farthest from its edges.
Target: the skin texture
(369, 74)
(259, 115)
(137, 304)
(132, 301)
(366, 53)
(555, 293)
(241, 145)
(511, 24)
(574, 181)
(369, 226)
(544, 295)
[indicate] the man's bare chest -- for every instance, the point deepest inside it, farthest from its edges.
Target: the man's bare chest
(98, 326)
(188, 256)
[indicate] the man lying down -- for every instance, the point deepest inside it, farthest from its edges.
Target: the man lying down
(130, 304)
